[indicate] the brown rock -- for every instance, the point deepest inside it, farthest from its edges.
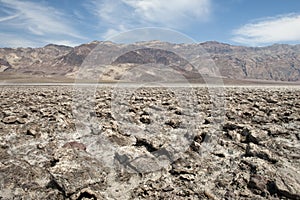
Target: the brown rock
(74, 145)
(145, 119)
(10, 120)
(174, 123)
(288, 183)
(258, 184)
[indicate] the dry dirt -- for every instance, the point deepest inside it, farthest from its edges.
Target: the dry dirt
(61, 142)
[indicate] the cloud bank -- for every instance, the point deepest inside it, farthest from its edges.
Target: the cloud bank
(121, 15)
(279, 29)
(43, 22)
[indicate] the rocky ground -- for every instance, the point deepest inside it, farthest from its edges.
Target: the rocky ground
(59, 142)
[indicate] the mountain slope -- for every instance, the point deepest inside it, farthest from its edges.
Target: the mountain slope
(276, 62)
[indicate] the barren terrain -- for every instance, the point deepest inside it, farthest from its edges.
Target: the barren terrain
(84, 142)
(279, 62)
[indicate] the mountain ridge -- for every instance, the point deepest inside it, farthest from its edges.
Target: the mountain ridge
(278, 62)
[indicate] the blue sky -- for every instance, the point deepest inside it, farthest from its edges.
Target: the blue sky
(35, 23)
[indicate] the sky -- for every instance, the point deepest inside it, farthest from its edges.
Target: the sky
(33, 23)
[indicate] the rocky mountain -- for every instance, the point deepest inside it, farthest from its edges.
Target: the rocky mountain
(279, 62)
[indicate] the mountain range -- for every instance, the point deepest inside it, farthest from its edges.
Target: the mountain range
(109, 61)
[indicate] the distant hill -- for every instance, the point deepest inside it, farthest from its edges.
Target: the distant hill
(279, 62)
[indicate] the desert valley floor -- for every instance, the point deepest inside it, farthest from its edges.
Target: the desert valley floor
(67, 142)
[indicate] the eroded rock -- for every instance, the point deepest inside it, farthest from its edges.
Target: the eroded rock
(149, 146)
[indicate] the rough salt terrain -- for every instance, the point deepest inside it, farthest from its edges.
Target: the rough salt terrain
(61, 142)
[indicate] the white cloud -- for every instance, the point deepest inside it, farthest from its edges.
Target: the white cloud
(129, 14)
(283, 28)
(169, 12)
(7, 18)
(33, 19)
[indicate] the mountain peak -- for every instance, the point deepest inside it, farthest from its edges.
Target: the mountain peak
(56, 46)
(214, 43)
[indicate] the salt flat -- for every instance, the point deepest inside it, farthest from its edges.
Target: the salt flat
(65, 141)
